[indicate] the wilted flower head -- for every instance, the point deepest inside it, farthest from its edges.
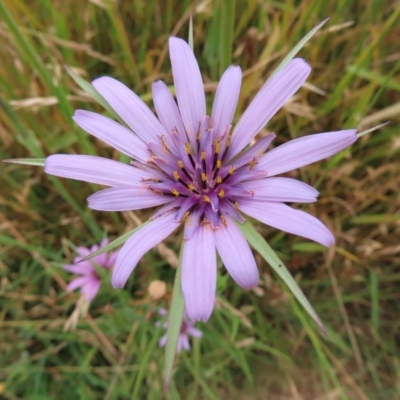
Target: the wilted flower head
(89, 280)
(187, 330)
(197, 167)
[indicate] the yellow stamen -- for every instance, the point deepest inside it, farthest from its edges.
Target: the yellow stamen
(203, 176)
(191, 187)
(187, 148)
(203, 155)
(221, 193)
(231, 169)
(150, 180)
(176, 175)
(175, 192)
(218, 147)
(180, 164)
(157, 191)
(252, 164)
(219, 179)
(164, 144)
(223, 220)
(219, 164)
(206, 199)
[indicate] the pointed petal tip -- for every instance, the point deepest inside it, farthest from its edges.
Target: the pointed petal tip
(250, 285)
(329, 240)
(196, 316)
(116, 284)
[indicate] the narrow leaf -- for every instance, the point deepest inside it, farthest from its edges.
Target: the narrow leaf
(174, 324)
(115, 243)
(91, 91)
(38, 162)
(265, 250)
(299, 46)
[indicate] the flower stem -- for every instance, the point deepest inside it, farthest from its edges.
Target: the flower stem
(174, 324)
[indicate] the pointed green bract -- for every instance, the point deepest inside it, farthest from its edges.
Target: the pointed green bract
(372, 129)
(190, 39)
(265, 250)
(115, 243)
(91, 91)
(298, 46)
(175, 316)
(39, 162)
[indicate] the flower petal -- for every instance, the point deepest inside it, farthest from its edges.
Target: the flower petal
(130, 108)
(271, 97)
(83, 268)
(183, 342)
(289, 220)
(236, 255)
(167, 110)
(139, 244)
(125, 198)
(305, 150)
(111, 258)
(90, 289)
(94, 170)
(78, 282)
(112, 133)
(163, 341)
(226, 99)
(197, 333)
(82, 251)
(256, 150)
(281, 190)
(188, 87)
(199, 273)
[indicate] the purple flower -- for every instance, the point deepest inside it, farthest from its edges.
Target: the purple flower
(89, 281)
(197, 167)
(187, 330)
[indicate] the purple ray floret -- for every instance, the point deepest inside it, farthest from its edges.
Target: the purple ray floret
(187, 330)
(198, 168)
(89, 280)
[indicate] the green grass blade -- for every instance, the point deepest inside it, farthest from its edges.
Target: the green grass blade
(227, 20)
(174, 323)
(29, 53)
(265, 250)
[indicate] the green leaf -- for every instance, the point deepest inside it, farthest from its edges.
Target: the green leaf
(115, 243)
(91, 91)
(299, 46)
(265, 250)
(174, 324)
(38, 162)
